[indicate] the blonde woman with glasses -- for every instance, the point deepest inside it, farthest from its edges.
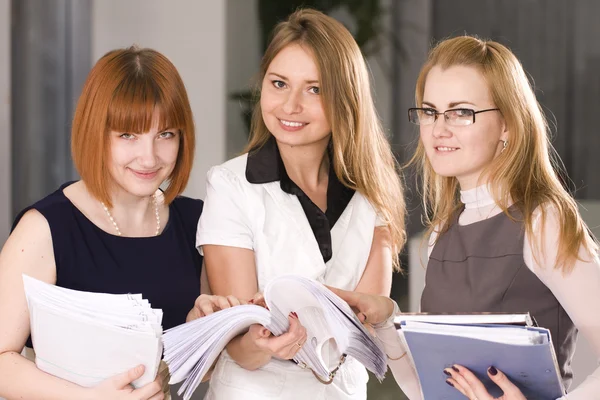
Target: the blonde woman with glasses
(505, 236)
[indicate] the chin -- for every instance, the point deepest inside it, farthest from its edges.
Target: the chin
(141, 189)
(446, 172)
(297, 139)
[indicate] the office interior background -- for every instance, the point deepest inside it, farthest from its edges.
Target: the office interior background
(47, 48)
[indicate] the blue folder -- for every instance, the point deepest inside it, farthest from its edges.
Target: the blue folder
(533, 368)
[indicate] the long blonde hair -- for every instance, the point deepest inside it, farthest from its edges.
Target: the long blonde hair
(526, 171)
(362, 156)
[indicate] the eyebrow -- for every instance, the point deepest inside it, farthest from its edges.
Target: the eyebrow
(451, 105)
(286, 79)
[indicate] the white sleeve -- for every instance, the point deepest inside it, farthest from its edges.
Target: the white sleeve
(578, 291)
(399, 361)
(225, 219)
(432, 239)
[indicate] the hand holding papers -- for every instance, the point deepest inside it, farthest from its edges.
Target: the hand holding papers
(333, 330)
(524, 353)
(87, 337)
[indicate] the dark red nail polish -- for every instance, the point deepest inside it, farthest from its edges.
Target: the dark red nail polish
(295, 315)
(251, 301)
(447, 373)
(449, 383)
(493, 370)
(454, 368)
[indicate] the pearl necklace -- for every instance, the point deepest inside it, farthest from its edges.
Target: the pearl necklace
(117, 226)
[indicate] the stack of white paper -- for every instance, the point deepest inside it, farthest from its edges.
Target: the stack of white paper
(331, 325)
(87, 337)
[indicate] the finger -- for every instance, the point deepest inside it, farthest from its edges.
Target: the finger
(158, 396)
(452, 382)
(504, 383)
(282, 344)
(206, 307)
(370, 329)
(122, 380)
(475, 384)
(295, 347)
(233, 301)
(259, 300)
(194, 314)
(296, 329)
(221, 302)
(459, 381)
(149, 390)
(259, 331)
(362, 317)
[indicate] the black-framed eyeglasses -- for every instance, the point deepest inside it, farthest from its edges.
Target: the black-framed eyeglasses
(455, 116)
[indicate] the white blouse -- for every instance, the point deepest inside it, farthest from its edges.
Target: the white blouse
(264, 218)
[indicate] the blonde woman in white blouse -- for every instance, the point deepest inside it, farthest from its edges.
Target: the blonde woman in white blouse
(316, 194)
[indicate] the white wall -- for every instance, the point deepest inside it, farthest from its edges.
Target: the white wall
(5, 129)
(191, 33)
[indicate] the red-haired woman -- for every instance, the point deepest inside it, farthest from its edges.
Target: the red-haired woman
(114, 231)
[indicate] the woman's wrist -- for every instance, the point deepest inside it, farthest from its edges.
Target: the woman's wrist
(393, 309)
(244, 351)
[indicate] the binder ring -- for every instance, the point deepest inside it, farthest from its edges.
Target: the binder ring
(332, 373)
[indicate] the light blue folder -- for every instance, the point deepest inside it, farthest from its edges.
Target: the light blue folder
(532, 368)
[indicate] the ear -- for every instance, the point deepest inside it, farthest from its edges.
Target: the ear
(505, 132)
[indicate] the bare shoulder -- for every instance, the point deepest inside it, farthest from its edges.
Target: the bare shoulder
(29, 248)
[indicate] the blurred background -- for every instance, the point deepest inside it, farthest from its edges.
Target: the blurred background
(47, 48)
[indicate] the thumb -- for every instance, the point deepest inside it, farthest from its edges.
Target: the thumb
(504, 383)
(125, 378)
(258, 331)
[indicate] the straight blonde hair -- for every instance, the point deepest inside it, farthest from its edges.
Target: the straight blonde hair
(362, 156)
(526, 171)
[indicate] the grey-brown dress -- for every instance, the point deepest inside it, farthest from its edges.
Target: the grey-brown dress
(480, 268)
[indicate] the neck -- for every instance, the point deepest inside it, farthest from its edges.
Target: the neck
(307, 166)
(134, 216)
(477, 197)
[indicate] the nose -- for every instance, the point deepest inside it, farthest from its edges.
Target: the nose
(293, 102)
(147, 152)
(440, 127)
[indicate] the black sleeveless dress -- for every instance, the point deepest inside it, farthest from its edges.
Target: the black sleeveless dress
(164, 268)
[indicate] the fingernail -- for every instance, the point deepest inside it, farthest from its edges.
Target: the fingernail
(493, 370)
(292, 315)
(251, 301)
(454, 368)
(447, 373)
(295, 315)
(449, 383)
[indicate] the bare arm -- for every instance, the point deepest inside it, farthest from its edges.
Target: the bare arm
(29, 251)
(377, 277)
(232, 271)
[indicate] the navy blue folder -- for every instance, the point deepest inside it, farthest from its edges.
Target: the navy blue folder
(533, 368)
